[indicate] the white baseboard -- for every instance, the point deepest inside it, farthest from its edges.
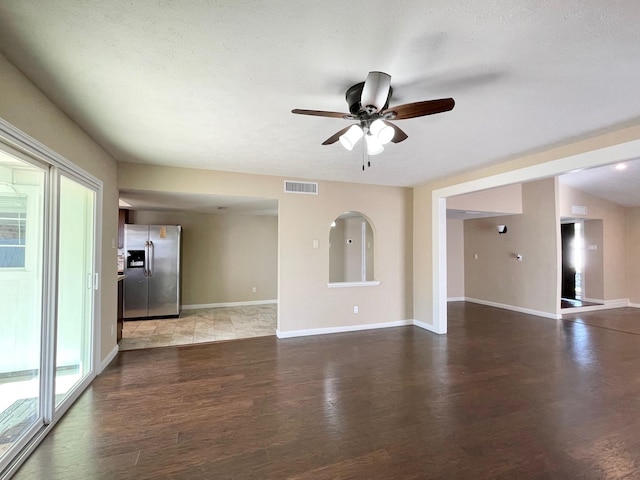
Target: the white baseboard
(455, 299)
(607, 305)
(617, 303)
(400, 323)
(347, 328)
(427, 326)
(229, 304)
(594, 300)
(590, 308)
(528, 311)
(108, 359)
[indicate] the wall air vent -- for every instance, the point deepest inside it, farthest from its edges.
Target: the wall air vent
(309, 188)
(578, 210)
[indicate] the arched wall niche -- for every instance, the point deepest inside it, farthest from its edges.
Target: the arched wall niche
(351, 250)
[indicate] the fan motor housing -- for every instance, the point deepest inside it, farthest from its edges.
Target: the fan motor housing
(354, 94)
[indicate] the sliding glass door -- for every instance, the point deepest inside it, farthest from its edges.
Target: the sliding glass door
(22, 222)
(76, 283)
(48, 284)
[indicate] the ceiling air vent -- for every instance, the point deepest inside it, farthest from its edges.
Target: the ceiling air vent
(310, 188)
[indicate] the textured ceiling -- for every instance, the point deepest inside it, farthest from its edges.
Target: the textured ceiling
(218, 204)
(211, 84)
(621, 186)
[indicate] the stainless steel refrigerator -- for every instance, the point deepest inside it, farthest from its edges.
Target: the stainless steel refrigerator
(152, 270)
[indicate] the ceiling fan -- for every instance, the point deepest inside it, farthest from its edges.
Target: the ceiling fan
(369, 105)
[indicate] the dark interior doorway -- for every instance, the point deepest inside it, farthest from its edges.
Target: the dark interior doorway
(568, 233)
(572, 260)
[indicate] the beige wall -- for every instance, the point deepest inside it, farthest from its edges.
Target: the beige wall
(353, 250)
(613, 241)
(369, 252)
(593, 268)
(346, 258)
(26, 108)
(455, 259)
(507, 199)
(633, 254)
(337, 251)
(496, 275)
(538, 164)
(223, 256)
(423, 300)
(304, 300)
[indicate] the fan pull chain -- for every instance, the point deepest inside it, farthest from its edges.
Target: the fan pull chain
(365, 154)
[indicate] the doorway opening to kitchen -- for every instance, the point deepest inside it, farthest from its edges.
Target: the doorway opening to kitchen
(228, 265)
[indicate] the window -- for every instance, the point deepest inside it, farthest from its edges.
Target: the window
(13, 227)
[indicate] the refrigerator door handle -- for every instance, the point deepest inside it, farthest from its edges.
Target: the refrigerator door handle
(151, 258)
(145, 270)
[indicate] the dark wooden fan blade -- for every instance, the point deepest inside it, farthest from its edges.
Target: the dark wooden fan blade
(319, 113)
(420, 109)
(334, 138)
(399, 136)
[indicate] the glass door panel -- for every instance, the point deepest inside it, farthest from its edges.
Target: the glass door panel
(75, 287)
(22, 197)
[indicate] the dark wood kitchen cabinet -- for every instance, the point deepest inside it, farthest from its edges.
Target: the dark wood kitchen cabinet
(120, 317)
(123, 217)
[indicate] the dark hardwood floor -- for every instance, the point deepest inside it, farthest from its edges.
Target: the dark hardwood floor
(576, 303)
(503, 396)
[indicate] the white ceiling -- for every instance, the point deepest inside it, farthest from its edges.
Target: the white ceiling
(211, 84)
(217, 204)
(618, 186)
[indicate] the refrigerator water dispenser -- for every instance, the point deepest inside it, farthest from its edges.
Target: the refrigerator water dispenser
(135, 258)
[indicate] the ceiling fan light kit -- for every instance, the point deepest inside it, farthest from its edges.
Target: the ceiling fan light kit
(378, 134)
(351, 137)
(374, 147)
(382, 131)
(369, 105)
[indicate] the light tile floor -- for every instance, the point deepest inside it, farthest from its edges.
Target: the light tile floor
(199, 326)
